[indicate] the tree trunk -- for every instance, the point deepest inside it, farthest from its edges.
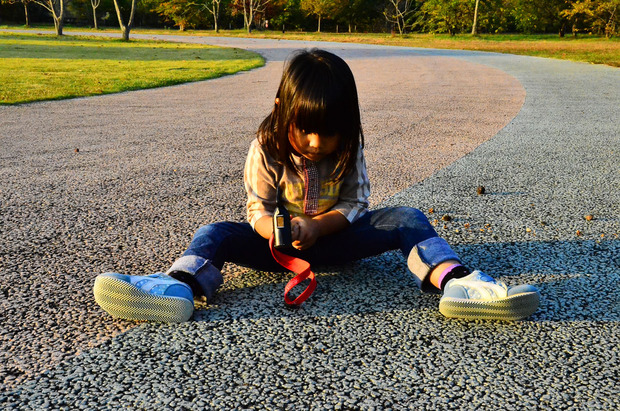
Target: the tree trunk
(95, 17)
(474, 29)
(26, 14)
(610, 27)
(59, 17)
(245, 18)
(125, 29)
(58, 25)
(319, 29)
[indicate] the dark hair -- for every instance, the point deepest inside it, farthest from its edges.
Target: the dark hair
(317, 93)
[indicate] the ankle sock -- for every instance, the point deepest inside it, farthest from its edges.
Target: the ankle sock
(188, 279)
(454, 271)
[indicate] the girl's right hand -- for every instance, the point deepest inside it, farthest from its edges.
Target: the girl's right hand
(304, 232)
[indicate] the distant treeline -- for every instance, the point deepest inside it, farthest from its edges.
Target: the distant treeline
(399, 16)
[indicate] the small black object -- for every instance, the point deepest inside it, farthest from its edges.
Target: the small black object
(281, 225)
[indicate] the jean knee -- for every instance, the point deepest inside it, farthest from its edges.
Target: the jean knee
(214, 231)
(398, 217)
(413, 222)
(413, 216)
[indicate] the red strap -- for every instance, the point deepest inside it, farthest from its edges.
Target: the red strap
(299, 267)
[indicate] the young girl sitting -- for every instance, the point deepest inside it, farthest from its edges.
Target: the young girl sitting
(310, 147)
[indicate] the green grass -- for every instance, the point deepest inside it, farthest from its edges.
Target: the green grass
(46, 67)
(584, 48)
(42, 67)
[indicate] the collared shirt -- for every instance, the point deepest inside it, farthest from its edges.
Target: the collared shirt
(313, 192)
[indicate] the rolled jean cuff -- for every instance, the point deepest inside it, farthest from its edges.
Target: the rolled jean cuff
(427, 255)
(208, 277)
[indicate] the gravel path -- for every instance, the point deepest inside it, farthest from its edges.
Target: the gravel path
(154, 165)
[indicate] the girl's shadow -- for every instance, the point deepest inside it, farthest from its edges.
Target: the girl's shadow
(577, 281)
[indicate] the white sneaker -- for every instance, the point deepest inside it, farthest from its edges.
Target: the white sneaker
(478, 296)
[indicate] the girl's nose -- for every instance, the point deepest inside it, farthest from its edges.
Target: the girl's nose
(314, 140)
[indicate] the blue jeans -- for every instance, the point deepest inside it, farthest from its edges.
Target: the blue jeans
(376, 232)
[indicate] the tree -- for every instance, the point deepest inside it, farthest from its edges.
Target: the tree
(535, 16)
(605, 17)
(25, 3)
(445, 16)
(284, 13)
(474, 29)
(356, 13)
(125, 28)
(183, 13)
(596, 16)
(397, 12)
(251, 8)
(214, 9)
(318, 8)
(57, 9)
(95, 4)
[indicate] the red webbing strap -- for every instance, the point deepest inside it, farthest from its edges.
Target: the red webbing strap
(299, 267)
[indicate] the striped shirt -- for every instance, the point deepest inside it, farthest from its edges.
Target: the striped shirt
(311, 192)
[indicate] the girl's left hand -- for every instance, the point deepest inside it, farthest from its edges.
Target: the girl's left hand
(304, 232)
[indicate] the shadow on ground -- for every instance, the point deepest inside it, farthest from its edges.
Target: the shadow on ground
(577, 283)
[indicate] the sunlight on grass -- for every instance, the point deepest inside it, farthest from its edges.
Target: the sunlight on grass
(36, 68)
(44, 67)
(590, 49)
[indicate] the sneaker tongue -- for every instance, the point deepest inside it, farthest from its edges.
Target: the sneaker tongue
(483, 287)
(490, 291)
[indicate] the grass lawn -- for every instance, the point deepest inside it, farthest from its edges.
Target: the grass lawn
(42, 67)
(45, 67)
(584, 48)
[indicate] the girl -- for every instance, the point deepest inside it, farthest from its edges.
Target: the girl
(310, 147)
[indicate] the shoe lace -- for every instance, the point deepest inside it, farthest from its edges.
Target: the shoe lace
(480, 289)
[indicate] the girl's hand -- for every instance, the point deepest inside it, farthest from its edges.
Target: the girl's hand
(304, 232)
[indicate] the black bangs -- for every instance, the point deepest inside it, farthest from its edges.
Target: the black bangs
(320, 104)
(321, 111)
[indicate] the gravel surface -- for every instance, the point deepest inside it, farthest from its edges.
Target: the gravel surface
(154, 165)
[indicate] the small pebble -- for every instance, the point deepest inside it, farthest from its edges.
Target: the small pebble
(589, 217)
(446, 217)
(480, 190)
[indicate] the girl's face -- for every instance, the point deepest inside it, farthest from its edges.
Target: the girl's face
(312, 146)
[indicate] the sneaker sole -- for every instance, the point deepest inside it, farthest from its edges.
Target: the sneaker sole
(123, 300)
(515, 307)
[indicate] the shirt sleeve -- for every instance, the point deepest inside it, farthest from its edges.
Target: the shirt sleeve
(354, 192)
(259, 178)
